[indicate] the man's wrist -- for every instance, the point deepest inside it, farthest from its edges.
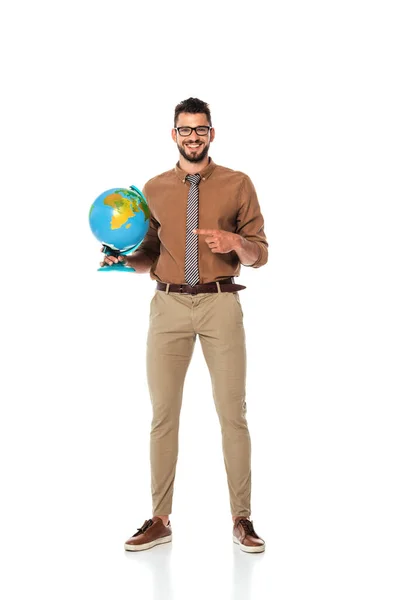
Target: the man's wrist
(248, 252)
(238, 245)
(139, 261)
(128, 260)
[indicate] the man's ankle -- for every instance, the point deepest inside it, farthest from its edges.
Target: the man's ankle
(164, 518)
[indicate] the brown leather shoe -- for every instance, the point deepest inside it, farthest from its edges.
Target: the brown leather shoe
(152, 532)
(246, 537)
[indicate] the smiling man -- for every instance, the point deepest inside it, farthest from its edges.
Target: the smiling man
(205, 223)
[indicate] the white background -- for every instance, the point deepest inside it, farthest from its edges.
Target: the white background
(305, 99)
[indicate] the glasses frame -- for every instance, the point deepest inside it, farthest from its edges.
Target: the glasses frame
(209, 127)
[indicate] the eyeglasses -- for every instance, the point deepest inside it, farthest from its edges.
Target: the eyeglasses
(185, 131)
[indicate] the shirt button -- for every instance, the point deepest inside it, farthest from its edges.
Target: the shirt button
(204, 178)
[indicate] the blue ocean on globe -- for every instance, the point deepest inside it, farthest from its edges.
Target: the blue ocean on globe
(120, 218)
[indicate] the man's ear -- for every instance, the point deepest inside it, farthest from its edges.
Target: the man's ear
(212, 134)
(173, 135)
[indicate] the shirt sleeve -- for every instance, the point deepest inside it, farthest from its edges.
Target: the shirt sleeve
(151, 242)
(250, 222)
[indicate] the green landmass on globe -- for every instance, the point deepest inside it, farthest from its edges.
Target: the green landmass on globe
(128, 205)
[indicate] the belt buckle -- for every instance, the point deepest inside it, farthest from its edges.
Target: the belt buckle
(186, 285)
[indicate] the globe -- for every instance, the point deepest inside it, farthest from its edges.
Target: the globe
(119, 218)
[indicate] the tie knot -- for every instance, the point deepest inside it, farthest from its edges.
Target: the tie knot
(194, 178)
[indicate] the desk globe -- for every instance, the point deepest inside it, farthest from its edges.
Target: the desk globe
(119, 218)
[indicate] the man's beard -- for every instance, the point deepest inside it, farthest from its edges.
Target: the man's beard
(194, 157)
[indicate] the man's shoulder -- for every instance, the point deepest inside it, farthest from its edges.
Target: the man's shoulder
(232, 174)
(161, 179)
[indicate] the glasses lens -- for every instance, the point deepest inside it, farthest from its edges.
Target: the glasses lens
(184, 130)
(201, 130)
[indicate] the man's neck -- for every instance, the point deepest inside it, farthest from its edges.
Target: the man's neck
(193, 167)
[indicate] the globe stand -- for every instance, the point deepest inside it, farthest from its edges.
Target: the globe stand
(108, 251)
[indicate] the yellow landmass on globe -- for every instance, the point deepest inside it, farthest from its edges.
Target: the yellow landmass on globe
(124, 209)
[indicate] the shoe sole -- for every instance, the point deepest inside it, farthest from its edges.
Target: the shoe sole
(136, 548)
(248, 548)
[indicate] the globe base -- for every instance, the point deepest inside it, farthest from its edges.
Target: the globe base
(116, 267)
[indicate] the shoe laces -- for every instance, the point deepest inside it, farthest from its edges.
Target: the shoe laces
(143, 528)
(248, 526)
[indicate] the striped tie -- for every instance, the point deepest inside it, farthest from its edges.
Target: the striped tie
(192, 240)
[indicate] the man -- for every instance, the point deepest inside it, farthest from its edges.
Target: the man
(205, 222)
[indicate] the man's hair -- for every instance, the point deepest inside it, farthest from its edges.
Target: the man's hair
(193, 106)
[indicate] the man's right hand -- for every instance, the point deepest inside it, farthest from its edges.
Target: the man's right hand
(138, 261)
(110, 260)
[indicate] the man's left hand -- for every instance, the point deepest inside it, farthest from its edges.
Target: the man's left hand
(219, 240)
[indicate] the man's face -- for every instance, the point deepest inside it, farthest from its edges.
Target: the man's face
(193, 147)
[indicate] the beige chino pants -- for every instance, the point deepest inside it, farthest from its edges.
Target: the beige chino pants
(175, 321)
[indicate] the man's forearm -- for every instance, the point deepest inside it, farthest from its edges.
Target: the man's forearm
(248, 252)
(139, 261)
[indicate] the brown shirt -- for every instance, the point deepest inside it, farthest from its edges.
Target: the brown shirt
(227, 200)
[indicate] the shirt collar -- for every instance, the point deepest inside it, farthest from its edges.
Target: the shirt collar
(205, 172)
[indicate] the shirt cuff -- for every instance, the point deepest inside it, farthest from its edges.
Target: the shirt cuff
(255, 263)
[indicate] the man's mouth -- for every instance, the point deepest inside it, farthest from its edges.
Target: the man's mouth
(193, 146)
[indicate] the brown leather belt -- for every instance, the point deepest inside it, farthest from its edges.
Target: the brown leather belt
(226, 285)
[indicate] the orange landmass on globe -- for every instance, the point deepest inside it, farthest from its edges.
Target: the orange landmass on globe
(124, 210)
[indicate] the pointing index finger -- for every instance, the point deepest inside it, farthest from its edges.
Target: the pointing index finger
(205, 231)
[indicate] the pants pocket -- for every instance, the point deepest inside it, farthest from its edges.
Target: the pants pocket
(236, 295)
